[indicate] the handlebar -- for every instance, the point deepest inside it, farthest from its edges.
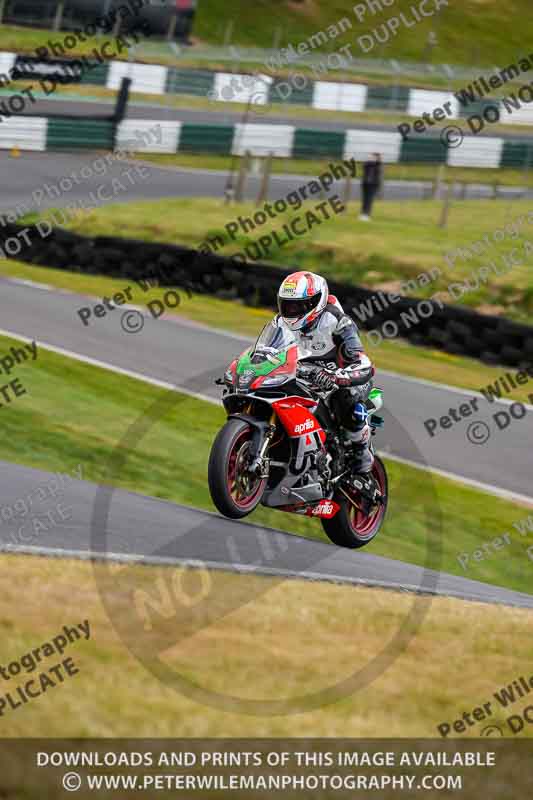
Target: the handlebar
(308, 372)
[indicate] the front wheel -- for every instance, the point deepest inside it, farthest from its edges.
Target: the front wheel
(350, 527)
(234, 491)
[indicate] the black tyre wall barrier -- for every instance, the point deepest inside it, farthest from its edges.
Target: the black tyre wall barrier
(494, 340)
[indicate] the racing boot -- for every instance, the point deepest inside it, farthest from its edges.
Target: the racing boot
(362, 461)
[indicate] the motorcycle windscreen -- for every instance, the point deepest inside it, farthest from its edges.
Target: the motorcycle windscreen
(274, 337)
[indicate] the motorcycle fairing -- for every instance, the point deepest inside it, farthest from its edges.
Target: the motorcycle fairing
(306, 437)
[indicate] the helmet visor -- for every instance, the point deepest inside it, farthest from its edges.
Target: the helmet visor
(295, 308)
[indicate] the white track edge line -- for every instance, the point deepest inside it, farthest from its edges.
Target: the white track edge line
(110, 367)
(453, 389)
(124, 558)
(506, 494)
(233, 335)
(189, 323)
(489, 488)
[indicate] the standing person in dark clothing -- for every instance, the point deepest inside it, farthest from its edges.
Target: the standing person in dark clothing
(372, 175)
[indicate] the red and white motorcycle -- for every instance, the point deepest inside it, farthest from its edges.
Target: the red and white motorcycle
(281, 447)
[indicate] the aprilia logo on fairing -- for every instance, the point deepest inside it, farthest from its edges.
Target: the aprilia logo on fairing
(323, 508)
(304, 426)
(327, 508)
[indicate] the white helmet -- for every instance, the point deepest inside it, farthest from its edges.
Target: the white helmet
(302, 297)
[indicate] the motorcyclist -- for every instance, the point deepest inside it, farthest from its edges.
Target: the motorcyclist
(329, 339)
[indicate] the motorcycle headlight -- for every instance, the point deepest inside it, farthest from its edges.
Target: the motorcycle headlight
(275, 380)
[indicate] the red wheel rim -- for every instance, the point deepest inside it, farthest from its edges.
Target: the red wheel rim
(365, 526)
(242, 488)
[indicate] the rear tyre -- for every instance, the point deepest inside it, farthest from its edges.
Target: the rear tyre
(350, 527)
(234, 492)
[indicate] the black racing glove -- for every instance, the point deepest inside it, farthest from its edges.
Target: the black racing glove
(324, 380)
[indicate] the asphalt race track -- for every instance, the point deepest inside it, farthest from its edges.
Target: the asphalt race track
(33, 170)
(158, 532)
(187, 355)
(191, 356)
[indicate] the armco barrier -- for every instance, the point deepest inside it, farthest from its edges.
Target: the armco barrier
(285, 141)
(494, 340)
(233, 87)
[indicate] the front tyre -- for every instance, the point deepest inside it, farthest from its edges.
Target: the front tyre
(350, 527)
(234, 491)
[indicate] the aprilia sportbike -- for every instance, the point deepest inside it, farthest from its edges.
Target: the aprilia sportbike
(281, 446)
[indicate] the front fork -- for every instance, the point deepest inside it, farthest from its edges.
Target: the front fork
(259, 465)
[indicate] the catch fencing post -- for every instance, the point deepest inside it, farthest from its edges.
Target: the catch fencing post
(173, 22)
(241, 180)
(59, 15)
(443, 222)
(439, 180)
(2, 4)
(228, 33)
(347, 193)
(263, 190)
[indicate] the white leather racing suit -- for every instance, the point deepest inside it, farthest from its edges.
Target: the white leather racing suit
(333, 343)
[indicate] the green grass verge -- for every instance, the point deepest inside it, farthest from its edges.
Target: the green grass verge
(18, 39)
(466, 33)
(397, 356)
(277, 644)
(403, 241)
(465, 36)
(77, 414)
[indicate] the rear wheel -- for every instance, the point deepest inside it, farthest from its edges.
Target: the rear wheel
(350, 527)
(234, 491)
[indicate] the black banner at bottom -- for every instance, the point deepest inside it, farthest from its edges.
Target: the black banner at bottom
(492, 768)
